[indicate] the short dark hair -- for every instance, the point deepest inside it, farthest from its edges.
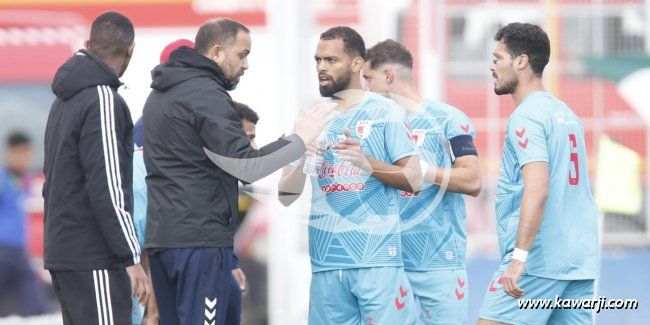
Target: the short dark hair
(217, 31)
(529, 39)
(354, 44)
(111, 33)
(389, 51)
(245, 113)
(17, 138)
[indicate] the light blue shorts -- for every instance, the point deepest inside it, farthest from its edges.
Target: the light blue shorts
(377, 296)
(441, 296)
(500, 307)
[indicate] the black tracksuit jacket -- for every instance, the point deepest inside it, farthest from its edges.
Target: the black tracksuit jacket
(88, 170)
(192, 202)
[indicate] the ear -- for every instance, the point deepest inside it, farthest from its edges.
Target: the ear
(129, 51)
(388, 75)
(357, 64)
(87, 44)
(216, 53)
(521, 62)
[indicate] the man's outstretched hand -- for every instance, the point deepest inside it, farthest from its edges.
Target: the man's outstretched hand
(310, 123)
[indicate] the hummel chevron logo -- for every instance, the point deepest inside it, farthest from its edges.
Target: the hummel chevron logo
(492, 287)
(524, 144)
(398, 304)
(210, 310)
(465, 127)
(211, 315)
(461, 283)
(211, 303)
(459, 295)
(402, 292)
(521, 133)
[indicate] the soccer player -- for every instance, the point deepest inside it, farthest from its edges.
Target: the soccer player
(546, 216)
(354, 232)
(434, 232)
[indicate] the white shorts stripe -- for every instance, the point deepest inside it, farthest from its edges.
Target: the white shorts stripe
(102, 295)
(99, 305)
(108, 298)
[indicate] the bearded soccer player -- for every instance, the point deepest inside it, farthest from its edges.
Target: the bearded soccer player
(354, 231)
(546, 216)
(434, 227)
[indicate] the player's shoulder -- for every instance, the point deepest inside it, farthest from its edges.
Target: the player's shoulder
(535, 103)
(536, 107)
(374, 100)
(451, 112)
(382, 106)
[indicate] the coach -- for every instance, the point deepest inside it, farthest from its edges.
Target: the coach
(192, 192)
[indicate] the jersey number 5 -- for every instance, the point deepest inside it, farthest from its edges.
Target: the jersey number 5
(573, 180)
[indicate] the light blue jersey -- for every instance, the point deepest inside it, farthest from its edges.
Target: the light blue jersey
(354, 220)
(139, 195)
(545, 129)
(434, 224)
(139, 206)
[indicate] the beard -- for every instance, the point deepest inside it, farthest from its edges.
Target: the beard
(507, 87)
(335, 86)
(231, 73)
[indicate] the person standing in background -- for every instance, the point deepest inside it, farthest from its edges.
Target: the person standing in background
(16, 274)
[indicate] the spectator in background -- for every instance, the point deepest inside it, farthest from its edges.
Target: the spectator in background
(17, 278)
(248, 119)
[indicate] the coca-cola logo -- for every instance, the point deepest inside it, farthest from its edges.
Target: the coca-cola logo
(348, 187)
(341, 169)
(408, 194)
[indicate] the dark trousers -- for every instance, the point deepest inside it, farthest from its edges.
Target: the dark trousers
(100, 297)
(233, 312)
(18, 283)
(194, 285)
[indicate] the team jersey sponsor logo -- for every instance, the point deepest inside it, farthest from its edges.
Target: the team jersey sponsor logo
(337, 170)
(344, 187)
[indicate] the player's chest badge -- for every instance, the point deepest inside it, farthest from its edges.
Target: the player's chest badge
(364, 128)
(418, 136)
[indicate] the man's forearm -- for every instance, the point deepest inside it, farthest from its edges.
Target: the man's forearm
(291, 183)
(530, 218)
(460, 179)
(406, 178)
